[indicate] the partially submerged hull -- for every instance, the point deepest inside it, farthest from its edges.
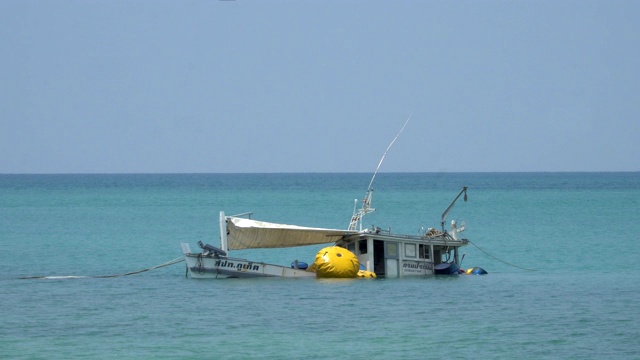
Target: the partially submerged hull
(202, 266)
(386, 255)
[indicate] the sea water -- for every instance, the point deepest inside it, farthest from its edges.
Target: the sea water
(561, 250)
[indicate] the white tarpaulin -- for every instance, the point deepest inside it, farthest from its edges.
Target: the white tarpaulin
(251, 234)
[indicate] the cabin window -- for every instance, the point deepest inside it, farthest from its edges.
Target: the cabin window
(410, 250)
(362, 246)
(423, 251)
(392, 250)
(351, 247)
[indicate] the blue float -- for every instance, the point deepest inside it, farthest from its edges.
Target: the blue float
(447, 268)
(301, 265)
(476, 271)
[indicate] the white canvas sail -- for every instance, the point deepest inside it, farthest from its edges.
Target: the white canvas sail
(251, 234)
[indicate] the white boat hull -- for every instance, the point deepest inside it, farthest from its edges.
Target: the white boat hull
(205, 267)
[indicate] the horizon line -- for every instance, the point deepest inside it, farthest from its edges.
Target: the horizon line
(323, 172)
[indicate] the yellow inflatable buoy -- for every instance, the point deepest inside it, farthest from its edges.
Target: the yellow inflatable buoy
(336, 262)
(367, 274)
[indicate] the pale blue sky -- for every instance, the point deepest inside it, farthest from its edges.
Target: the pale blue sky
(318, 86)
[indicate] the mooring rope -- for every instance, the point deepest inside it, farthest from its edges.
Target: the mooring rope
(502, 261)
(174, 261)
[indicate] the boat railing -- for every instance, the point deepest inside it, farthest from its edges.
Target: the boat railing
(244, 214)
(427, 237)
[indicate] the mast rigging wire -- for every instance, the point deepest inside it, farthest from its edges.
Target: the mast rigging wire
(495, 258)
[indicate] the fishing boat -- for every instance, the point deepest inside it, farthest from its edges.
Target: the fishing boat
(378, 251)
(387, 254)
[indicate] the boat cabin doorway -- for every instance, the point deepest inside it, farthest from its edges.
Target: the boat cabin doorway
(378, 258)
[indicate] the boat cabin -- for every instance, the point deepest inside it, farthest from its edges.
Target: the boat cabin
(392, 255)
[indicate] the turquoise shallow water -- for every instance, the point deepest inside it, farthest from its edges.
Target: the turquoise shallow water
(577, 230)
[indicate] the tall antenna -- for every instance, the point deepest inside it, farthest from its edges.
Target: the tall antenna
(366, 202)
(386, 151)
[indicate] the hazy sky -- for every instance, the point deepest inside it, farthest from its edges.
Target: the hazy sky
(318, 86)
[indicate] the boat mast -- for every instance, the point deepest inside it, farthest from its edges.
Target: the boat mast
(366, 202)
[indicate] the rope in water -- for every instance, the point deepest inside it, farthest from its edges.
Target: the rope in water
(174, 261)
(502, 261)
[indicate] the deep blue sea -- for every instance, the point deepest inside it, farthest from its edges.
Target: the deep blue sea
(578, 232)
